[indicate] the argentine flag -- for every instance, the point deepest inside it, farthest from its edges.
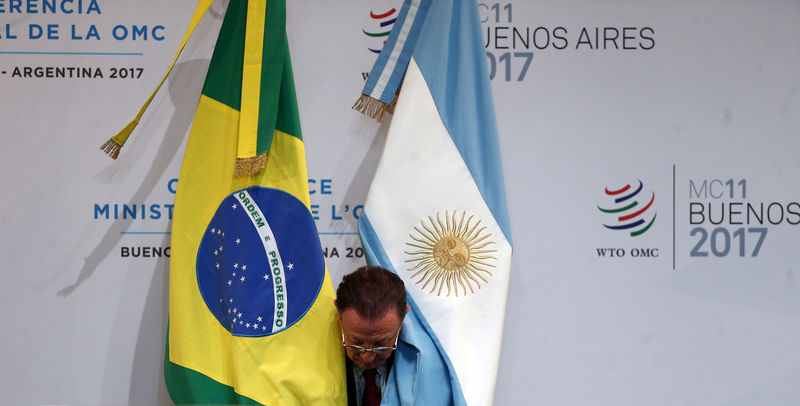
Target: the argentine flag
(436, 211)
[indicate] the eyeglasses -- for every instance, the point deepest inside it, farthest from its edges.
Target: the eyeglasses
(374, 350)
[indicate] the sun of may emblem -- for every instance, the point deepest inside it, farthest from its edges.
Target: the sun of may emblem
(452, 253)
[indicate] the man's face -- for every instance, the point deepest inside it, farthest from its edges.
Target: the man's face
(360, 331)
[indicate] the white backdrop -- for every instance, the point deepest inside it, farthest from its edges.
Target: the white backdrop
(589, 96)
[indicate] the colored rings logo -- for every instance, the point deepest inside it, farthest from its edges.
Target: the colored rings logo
(385, 21)
(630, 209)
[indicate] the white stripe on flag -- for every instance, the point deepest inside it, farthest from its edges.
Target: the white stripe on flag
(391, 63)
(273, 256)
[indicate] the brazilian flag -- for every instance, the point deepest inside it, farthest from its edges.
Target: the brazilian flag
(251, 312)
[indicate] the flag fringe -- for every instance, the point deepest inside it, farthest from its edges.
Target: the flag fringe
(115, 143)
(111, 148)
(251, 165)
(373, 107)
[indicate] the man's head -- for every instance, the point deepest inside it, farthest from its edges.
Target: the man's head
(372, 304)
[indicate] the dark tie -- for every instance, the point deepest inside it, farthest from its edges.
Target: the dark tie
(372, 395)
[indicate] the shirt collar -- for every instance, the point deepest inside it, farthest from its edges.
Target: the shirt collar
(380, 369)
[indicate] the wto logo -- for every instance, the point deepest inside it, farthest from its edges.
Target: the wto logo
(384, 21)
(630, 209)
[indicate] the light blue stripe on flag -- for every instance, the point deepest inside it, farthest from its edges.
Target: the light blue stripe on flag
(426, 364)
(459, 84)
(387, 73)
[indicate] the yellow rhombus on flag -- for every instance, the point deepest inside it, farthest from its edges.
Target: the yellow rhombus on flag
(251, 304)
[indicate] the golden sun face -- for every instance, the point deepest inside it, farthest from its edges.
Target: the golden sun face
(450, 253)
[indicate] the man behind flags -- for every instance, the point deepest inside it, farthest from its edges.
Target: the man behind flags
(436, 211)
(251, 305)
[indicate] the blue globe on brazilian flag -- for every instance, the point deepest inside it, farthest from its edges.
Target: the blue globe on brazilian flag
(258, 265)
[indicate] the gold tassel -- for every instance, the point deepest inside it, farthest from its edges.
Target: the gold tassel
(111, 148)
(250, 166)
(392, 105)
(115, 143)
(373, 107)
